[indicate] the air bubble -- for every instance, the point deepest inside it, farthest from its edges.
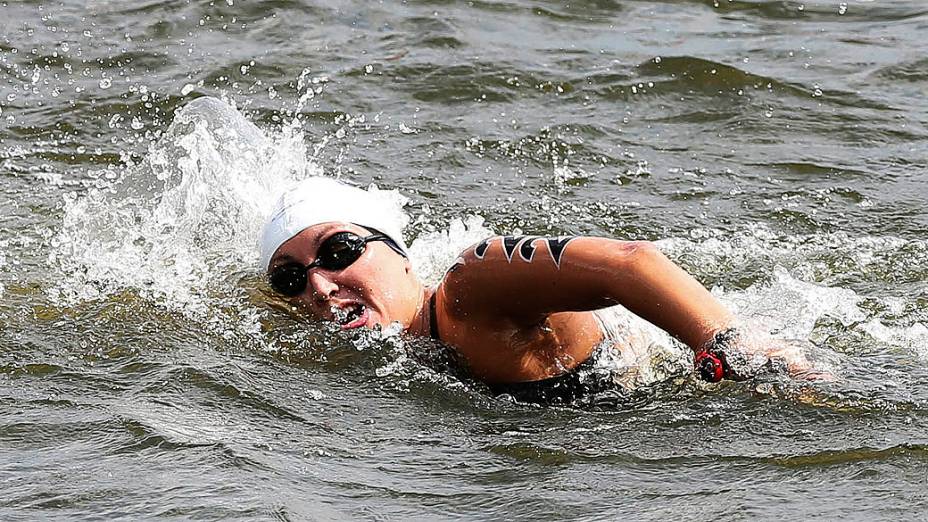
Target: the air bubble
(106, 83)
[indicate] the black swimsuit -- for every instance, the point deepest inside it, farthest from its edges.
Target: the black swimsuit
(580, 381)
(433, 319)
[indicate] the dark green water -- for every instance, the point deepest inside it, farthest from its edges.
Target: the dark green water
(778, 150)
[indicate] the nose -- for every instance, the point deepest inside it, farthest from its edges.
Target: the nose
(322, 285)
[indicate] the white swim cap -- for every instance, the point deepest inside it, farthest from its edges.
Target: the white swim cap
(321, 200)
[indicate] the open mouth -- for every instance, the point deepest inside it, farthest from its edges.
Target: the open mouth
(350, 316)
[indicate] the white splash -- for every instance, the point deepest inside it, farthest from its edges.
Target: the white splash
(790, 307)
(432, 253)
(913, 338)
(804, 280)
(179, 224)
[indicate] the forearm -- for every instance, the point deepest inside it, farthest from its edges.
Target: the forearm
(651, 286)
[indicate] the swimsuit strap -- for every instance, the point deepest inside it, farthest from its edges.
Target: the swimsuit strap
(433, 319)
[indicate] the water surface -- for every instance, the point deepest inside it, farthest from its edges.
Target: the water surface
(778, 150)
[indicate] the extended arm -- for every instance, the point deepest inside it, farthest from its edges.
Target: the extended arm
(525, 279)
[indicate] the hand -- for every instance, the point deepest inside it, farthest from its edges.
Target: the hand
(756, 353)
(748, 353)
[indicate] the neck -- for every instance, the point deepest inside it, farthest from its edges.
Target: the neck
(420, 325)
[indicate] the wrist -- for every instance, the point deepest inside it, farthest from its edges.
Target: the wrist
(712, 360)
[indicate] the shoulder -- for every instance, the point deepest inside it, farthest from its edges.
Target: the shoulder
(521, 249)
(470, 274)
(501, 267)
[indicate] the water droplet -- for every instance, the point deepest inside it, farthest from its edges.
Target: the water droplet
(657, 59)
(187, 89)
(842, 8)
(106, 83)
(368, 68)
(11, 96)
(137, 123)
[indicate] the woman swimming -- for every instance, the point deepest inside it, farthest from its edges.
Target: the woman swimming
(524, 313)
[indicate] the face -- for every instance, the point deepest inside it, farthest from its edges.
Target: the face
(378, 288)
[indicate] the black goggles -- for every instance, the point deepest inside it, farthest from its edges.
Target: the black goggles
(337, 252)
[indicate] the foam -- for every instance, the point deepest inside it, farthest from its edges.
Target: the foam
(825, 285)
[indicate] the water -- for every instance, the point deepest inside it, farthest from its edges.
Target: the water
(777, 150)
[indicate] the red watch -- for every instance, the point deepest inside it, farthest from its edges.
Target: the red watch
(711, 362)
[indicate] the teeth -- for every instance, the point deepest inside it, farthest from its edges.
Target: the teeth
(347, 314)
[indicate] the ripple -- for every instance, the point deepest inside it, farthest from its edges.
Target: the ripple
(824, 12)
(911, 71)
(452, 84)
(690, 74)
(918, 452)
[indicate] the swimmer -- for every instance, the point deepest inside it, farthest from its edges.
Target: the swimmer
(524, 313)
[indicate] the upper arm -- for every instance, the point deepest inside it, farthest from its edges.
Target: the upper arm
(525, 278)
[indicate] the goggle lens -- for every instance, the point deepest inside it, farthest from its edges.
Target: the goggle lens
(337, 252)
